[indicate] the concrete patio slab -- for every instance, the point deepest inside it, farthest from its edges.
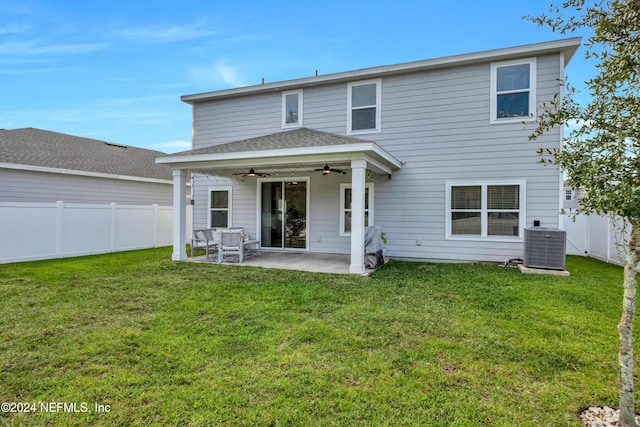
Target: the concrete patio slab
(301, 261)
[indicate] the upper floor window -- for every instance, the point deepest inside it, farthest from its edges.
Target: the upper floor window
(363, 107)
(513, 95)
(568, 194)
(292, 108)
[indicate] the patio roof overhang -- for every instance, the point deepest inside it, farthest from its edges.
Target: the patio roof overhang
(290, 149)
(297, 149)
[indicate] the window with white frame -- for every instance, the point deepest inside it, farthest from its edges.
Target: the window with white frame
(513, 95)
(363, 106)
(345, 207)
(485, 210)
(219, 207)
(292, 108)
(568, 194)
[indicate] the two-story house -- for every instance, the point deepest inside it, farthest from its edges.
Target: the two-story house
(434, 152)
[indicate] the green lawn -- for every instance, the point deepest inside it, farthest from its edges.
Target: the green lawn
(161, 343)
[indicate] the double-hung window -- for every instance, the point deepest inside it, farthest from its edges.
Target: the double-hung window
(513, 95)
(345, 207)
(292, 108)
(219, 207)
(485, 210)
(363, 106)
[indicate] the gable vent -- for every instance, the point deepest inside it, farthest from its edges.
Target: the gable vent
(545, 248)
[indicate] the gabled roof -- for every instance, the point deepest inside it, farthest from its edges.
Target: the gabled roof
(52, 150)
(566, 46)
(297, 138)
(299, 146)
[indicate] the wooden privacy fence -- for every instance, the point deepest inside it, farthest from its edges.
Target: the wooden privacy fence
(36, 231)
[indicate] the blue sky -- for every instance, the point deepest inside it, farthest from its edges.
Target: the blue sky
(115, 70)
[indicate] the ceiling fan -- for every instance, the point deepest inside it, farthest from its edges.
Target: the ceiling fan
(326, 170)
(253, 173)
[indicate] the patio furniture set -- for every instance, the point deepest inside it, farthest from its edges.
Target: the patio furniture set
(228, 244)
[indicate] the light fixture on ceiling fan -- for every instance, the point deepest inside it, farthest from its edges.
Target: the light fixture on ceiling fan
(253, 173)
(326, 170)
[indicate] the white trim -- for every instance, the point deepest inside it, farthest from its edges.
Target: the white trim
(259, 182)
(46, 169)
(378, 106)
(569, 46)
(358, 181)
(493, 105)
(344, 186)
(189, 160)
(229, 190)
(300, 122)
(484, 237)
(561, 145)
(179, 213)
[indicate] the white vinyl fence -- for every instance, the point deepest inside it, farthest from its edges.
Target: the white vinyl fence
(596, 236)
(35, 231)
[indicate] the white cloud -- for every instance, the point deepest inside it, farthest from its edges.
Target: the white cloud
(35, 47)
(15, 28)
(216, 74)
(168, 34)
(172, 146)
(122, 102)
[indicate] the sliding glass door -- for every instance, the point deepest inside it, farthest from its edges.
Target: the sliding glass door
(283, 209)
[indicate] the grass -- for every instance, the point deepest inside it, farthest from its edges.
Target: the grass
(162, 343)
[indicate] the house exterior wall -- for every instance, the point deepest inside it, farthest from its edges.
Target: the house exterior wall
(33, 186)
(438, 122)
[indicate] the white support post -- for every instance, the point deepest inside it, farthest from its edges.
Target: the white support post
(179, 215)
(358, 178)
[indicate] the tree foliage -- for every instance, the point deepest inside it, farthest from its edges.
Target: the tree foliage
(600, 155)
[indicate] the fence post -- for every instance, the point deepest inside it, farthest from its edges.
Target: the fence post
(59, 228)
(114, 224)
(609, 225)
(155, 225)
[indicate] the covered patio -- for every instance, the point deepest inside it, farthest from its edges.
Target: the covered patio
(291, 153)
(299, 261)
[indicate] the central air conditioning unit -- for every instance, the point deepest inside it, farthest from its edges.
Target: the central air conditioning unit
(545, 248)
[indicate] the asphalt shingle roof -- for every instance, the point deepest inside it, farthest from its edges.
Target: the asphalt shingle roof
(37, 147)
(298, 138)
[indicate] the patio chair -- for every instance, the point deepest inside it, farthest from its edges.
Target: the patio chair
(231, 244)
(204, 239)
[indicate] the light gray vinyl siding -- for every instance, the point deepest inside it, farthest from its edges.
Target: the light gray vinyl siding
(324, 232)
(438, 122)
(440, 126)
(30, 186)
(236, 119)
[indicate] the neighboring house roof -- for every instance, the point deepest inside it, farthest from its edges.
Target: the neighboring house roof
(39, 149)
(567, 46)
